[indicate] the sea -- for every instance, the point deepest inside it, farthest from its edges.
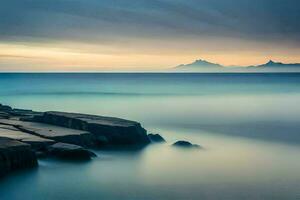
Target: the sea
(248, 125)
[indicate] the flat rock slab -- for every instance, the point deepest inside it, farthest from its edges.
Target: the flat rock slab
(70, 152)
(35, 141)
(9, 127)
(113, 131)
(56, 133)
(15, 155)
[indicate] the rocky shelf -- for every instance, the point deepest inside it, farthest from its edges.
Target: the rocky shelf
(107, 130)
(26, 134)
(15, 155)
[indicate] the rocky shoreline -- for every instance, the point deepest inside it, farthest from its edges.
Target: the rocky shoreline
(26, 135)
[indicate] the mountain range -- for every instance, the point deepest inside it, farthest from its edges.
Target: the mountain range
(205, 66)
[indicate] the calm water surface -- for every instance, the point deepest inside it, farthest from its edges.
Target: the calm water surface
(248, 124)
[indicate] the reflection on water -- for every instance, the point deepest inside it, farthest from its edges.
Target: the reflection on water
(248, 125)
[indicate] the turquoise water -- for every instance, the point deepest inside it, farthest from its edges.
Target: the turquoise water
(248, 124)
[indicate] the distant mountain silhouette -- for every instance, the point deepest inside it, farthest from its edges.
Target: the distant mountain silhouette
(271, 63)
(205, 66)
(200, 65)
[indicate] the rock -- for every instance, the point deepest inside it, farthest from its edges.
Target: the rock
(15, 155)
(13, 133)
(156, 138)
(90, 130)
(4, 115)
(70, 152)
(23, 113)
(108, 130)
(56, 133)
(41, 154)
(5, 108)
(185, 144)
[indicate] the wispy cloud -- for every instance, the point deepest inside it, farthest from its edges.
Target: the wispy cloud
(154, 25)
(58, 19)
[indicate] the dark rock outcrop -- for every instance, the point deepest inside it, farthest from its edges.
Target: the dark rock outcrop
(23, 113)
(70, 152)
(107, 130)
(26, 134)
(156, 138)
(4, 115)
(17, 112)
(5, 108)
(185, 144)
(15, 155)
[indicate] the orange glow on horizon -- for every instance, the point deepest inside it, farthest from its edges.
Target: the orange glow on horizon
(66, 57)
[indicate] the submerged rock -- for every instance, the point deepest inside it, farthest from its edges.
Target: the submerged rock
(70, 152)
(107, 130)
(15, 155)
(156, 138)
(185, 144)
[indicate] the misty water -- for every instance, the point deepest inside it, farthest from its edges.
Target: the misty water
(248, 125)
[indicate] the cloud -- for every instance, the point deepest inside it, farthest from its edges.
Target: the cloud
(110, 20)
(152, 33)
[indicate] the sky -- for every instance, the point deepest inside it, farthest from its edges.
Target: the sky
(97, 35)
